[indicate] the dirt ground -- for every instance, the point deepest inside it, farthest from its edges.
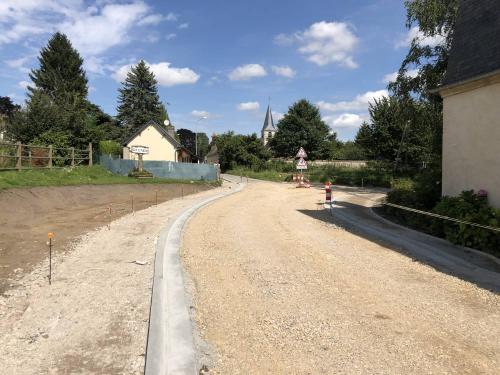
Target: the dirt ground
(279, 288)
(27, 215)
(93, 319)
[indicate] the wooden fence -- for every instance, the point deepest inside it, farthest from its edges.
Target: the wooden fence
(17, 156)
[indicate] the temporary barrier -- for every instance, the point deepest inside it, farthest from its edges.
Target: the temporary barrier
(162, 169)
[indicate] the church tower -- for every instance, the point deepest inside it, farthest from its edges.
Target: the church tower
(268, 129)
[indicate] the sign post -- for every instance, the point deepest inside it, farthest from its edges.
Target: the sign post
(301, 165)
(140, 150)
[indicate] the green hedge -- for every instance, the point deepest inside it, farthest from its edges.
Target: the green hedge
(468, 207)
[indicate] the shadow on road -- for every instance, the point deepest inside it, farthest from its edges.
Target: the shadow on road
(442, 256)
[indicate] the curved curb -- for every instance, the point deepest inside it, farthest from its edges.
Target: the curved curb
(437, 239)
(170, 347)
(425, 250)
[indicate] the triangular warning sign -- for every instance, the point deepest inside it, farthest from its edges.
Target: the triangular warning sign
(301, 153)
(301, 164)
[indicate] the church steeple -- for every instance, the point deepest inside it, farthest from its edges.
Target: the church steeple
(268, 129)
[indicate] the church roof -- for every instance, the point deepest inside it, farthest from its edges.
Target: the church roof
(268, 122)
(475, 50)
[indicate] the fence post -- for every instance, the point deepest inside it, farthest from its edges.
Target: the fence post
(72, 156)
(50, 156)
(90, 155)
(19, 156)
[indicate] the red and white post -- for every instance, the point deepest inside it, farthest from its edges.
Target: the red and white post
(328, 193)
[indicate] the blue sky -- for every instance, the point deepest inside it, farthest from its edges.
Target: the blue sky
(218, 62)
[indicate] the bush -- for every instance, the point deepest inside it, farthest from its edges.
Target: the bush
(365, 176)
(472, 208)
(110, 148)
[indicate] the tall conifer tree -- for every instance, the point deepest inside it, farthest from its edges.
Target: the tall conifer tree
(61, 73)
(138, 100)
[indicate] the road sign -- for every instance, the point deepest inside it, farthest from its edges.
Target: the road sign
(141, 150)
(301, 164)
(301, 154)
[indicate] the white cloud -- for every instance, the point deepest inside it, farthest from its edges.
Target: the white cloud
(152, 19)
(200, 114)
(345, 120)
(170, 36)
(359, 103)
(284, 39)
(19, 64)
(324, 43)
(23, 84)
(164, 73)
(284, 71)
(155, 19)
(171, 17)
(93, 64)
(277, 116)
(92, 27)
(248, 106)
(391, 77)
(184, 25)
(95, 31)
(246, 72)
(415, 33)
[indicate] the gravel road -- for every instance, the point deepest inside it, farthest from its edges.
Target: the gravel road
(93, 319)
(277, 289)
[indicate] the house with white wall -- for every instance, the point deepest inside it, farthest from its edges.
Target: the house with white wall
(471, 102)
(161, 142)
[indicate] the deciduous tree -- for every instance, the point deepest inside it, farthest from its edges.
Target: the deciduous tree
(301, 126)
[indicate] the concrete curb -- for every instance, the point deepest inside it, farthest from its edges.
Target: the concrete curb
(437, 239)
(424, 249)
(170, 345)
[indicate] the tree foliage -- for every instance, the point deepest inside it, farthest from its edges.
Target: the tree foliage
(411, 104)
(401, 129)
(57, 109)
(60, 75)
(301, 126)
(188, 139)
(138, 98)
(240, 150)
(435, 19)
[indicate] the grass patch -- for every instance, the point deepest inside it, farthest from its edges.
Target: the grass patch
(96, 175)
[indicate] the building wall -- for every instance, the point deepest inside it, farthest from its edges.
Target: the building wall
(159, 147)
(471, 142)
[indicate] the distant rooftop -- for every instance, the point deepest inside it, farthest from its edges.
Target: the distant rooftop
(476, 42)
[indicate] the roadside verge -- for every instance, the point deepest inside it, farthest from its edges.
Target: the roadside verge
(170, 345)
